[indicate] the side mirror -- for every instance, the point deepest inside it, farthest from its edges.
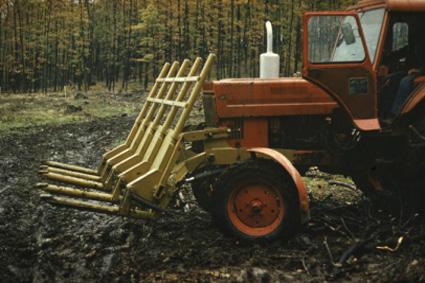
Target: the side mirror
(348, 33)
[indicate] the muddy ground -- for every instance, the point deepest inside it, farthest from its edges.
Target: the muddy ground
(345, 241)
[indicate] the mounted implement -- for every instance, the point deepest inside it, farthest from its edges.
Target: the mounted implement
(245, 166)
(140, 171)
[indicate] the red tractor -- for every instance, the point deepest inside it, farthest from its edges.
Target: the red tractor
(358, 110)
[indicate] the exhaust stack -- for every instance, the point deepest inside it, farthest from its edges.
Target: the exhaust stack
(269, 61)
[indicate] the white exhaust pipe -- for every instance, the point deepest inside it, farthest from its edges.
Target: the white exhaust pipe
(269, 30)
(269, 62)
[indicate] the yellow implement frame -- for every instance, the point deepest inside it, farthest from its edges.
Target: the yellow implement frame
(137, 177)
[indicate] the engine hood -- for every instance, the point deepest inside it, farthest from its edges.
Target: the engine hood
(270, 97)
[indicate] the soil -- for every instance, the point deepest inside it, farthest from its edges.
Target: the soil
(345, 240)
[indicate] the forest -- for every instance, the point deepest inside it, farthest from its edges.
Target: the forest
(48, 44)
(120, 161)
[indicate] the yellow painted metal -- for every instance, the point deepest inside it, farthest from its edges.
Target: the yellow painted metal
(71, 167)
(46, 169)
(143, 172)
(157, 91)
(91, 206)
(150, 112)
(74, 181)
(133, 138)
(74, 192)
(149, 186)
(153, 120)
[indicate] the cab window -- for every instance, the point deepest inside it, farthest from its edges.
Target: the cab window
(400, 36)
(334, 39)
(371, 22)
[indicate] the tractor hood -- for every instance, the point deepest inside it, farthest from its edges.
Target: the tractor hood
(270, 97)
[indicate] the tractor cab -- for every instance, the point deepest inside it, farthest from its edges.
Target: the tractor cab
(360, 57)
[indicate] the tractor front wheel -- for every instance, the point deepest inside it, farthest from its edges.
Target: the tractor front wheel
(256, 201)
(203, 191)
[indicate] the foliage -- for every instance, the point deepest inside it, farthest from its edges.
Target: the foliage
(47, 44)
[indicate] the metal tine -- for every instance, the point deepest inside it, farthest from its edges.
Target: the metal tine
(129, 141)
(194, 95)
(173, 110)
(82, 180)
(178, 129)
(74, 192)
(100, 208)
(145, 123)
(138, 164)
(146, 186)
(45, 170)
(132, 137)
(148, 138)
(158, 152)
(70, 167)
(74, 181)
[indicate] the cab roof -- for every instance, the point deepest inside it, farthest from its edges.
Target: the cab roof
(394, 5)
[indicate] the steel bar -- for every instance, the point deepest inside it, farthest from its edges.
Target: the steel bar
(180, 80)
(71, 167)
(74, 181)
(74, 192)
(45, 169)
(101, 208)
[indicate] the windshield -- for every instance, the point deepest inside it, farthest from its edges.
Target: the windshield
(349, 50)
(333, 38)
(372, 24)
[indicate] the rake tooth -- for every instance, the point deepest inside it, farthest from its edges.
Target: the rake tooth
(84, 205)
(41, 185)
(73, 174)
(76, 192)
(101, 208)
(71, 167)
(46, 197)
(75, 181)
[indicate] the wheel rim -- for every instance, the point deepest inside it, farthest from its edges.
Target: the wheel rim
(256, 209)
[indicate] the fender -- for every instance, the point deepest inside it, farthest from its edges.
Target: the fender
(295, 175)
(417, 97)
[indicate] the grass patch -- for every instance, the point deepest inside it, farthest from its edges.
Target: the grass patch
(26, 110)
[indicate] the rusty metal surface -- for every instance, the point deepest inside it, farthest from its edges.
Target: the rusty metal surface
(417, 97)
(249, 132)
(334, 79)
(393, 5)
(292, 171)
(406, 5)
(266, 98)
(368, 124)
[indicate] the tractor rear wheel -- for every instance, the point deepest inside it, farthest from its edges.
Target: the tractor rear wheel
(413, 160)
(382, 193)
(402, 183)
(256, 201)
